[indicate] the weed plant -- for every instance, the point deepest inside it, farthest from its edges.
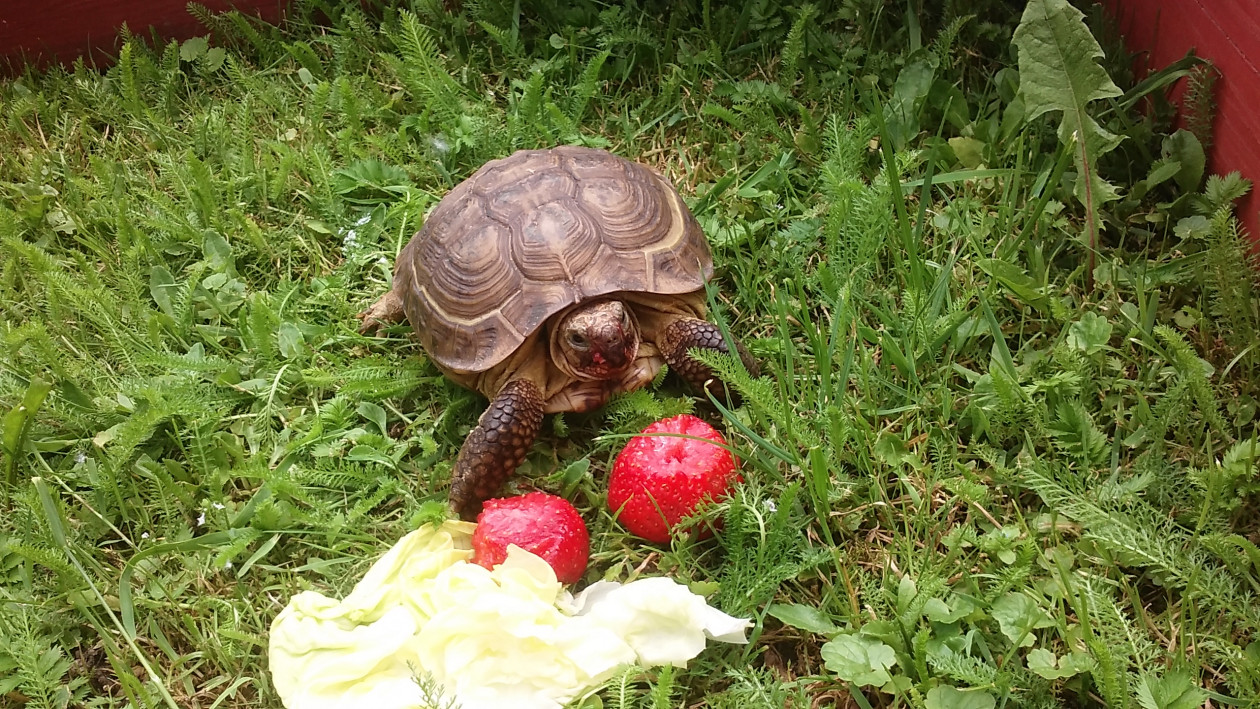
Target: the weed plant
(1003, 454)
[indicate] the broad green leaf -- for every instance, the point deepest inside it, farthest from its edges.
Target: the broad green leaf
(291, 340)
(888, 632)
(375, 414)
(1017, 281)
(950, 101)
(1175, 690)
(704, 588)
(1018, 615)
(1089, 334)
(1186, 151)
(859, 659)
(18, 418)
(192, 48)
(936, 610)
(14, 426)
(1059, 71)
(316, 225)
(1241, 458)
(574, 473)
(891, 450)
(1161, 172)
(969, 151)
(899, 685)
(1193, 227)
(906, 592)
(1045, 663)
(218, 253)
(958, 607)
(161, 283)
(214, 59)
(368, 454)
(214, 281)
(909, 92)
(803, 617)
(9, 678)
(946, 697)
(709, 200)
(888, 344)
(1058, 67)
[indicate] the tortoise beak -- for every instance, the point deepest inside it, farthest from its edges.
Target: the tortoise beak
(612, 346)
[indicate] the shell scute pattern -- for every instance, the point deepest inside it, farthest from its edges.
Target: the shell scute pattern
(673, 269)
(543, 300)
(531, 234)
(534, 167)
(555, 241)
(473, 264)
(633, 211)
(628, 267)
(522, 190)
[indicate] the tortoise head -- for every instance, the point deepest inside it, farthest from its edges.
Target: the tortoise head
(597, 340)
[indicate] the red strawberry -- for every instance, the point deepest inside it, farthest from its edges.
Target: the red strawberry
(672, 473)
(543, 524)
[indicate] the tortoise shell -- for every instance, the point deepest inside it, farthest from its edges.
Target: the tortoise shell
(527, 236)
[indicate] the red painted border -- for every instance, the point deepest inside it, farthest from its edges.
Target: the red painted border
(1228, 33)
(59, 31)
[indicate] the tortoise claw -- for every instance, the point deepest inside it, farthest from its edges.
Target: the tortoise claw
(496, 446)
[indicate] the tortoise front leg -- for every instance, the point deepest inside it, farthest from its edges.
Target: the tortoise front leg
(387, 310)
(496, 446)
(688, 333)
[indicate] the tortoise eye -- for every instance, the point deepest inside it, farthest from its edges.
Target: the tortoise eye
(578, 341)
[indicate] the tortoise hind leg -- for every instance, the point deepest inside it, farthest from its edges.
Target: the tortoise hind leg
(496, 446)
(693, 333)
(389, 309)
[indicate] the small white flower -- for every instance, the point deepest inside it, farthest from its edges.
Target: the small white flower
(227, 564)
(217, 506)
(80, 458)
(144, 535)
(769, 504)
(382, 261)
(202, 519)
(363, 220)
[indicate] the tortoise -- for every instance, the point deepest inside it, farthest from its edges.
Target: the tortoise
(549, 281)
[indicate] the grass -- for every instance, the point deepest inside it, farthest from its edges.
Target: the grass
(980, 473)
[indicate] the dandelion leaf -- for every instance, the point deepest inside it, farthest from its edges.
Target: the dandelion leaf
(1059, 71)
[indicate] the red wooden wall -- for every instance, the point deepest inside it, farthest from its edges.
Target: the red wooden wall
(46, 31)
(1228, 33)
